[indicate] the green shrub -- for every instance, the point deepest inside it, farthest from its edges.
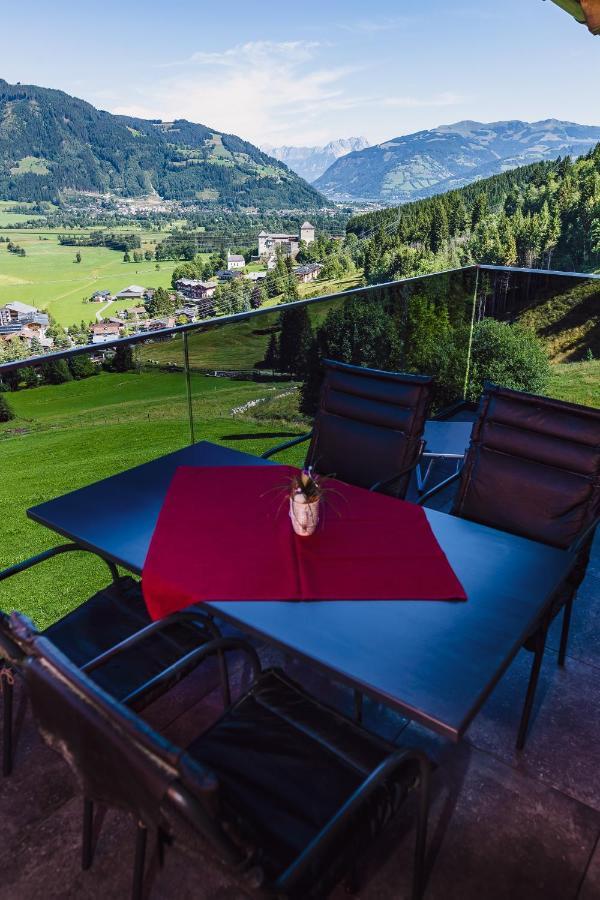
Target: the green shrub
(6, 413)
(56, 371)
(508, 355)
(82, 366)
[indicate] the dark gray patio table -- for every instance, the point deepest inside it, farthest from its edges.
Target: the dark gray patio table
(433, 661)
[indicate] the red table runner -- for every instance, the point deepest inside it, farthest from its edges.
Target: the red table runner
(224, 533)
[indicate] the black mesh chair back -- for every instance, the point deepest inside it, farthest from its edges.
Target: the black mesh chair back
(533, 467)
(117, 759)
(369, 424)
(279, 788)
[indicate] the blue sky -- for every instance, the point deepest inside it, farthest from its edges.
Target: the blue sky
(309, 72)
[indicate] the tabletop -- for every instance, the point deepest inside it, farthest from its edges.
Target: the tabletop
(449, 439)
(433, 661)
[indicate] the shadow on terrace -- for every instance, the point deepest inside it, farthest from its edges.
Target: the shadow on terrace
(504, 822)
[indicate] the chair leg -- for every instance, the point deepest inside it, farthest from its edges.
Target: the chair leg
(6, 683)
(87, 849)
(564, 635)
(531, 688)
(139, 860)
(421, 836)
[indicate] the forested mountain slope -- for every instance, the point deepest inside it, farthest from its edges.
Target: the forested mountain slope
(51, 142)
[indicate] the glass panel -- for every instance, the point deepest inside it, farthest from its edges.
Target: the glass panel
(76, 421)
(255, 383)
(559, 353)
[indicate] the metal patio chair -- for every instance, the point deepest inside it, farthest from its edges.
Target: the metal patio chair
(111, 617)
(368, 430)
(533, 469)
(286, 793)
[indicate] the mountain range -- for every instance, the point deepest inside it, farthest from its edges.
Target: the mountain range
(51, 142)
(431, 162)
(311, 162)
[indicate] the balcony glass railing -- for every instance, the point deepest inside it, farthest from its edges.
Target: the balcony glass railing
(250, 381)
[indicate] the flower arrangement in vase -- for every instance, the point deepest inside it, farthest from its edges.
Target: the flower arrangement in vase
(306, 493)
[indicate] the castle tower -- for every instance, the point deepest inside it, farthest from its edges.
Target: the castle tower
(307, 233)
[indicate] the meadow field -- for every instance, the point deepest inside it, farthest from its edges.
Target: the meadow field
(48, 276)
(66, 436)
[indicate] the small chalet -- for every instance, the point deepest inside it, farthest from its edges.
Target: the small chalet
(309, 272)
(136, 312)
(133, 292)
(158, 324)
(188, 313)
(101, 297)
(228, 274)
(192, 289)
(104, 331)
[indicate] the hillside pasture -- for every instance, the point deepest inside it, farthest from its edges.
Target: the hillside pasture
(48, 276)
(70, 435)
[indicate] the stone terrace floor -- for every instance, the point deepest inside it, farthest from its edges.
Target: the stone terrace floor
(503, 825)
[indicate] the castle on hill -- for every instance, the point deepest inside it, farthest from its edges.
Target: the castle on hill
(289, 243)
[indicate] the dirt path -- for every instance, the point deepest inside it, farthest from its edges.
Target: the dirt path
(99, 315)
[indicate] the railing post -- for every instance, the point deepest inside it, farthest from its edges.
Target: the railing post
(468, 369)
(188, 386)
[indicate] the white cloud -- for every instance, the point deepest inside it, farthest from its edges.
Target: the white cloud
(270, 92)
(262, 90)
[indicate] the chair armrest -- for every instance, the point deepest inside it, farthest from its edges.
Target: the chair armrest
(273, 450)
(188, 615)
(380, 485)
(49, 554)
(198, 655)
(332, 829)
(586, 534)
(438, 487)
(10, 651)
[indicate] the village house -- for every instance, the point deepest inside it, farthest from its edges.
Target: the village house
(228, 274)
(289, 244)
(189, 313)
(159, 324)
(101, 297)
(9, 333)
(235, 261)
(22, 322)
(202, 308)
(255, 276)
(309, 272)
(15, 311)
(35, 325)
(133, 292)
(104, 331)
(192, 289)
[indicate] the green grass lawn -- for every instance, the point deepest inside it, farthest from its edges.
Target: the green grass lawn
(8, 217)
(49, 278)
(67, 436)
(578, 382)
(245, 345)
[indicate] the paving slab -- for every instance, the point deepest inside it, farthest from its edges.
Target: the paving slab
(564, 736)
(584, 631)
(495, 834)
(590, 889)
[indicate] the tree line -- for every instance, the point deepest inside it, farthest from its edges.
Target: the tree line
(545, 215)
